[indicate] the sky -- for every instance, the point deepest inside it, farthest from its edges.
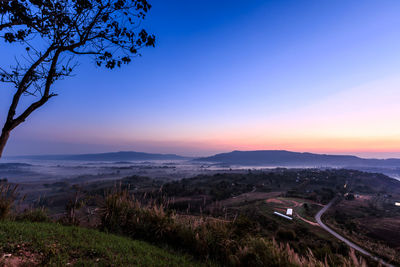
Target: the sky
(317, 76)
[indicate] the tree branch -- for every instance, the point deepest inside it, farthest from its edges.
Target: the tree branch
(34, 106)
(22, 85)
(84, 53)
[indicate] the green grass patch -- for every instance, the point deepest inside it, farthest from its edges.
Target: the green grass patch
(308, 210)
(56, 245)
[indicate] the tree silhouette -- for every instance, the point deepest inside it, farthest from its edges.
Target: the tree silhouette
(54, 33)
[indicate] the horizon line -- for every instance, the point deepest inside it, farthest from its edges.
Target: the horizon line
(354, 154)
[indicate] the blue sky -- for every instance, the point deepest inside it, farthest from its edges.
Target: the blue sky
(234, 75)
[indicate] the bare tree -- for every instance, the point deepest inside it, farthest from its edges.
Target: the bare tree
(54, 33)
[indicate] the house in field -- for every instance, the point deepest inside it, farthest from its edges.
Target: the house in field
(289, 212)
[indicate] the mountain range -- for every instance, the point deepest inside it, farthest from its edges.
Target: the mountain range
(296, 159)
(111, 156)
(245, 158)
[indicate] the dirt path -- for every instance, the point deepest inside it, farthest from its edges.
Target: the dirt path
(307, 221)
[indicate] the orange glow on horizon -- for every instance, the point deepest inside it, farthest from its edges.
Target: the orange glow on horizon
(327, 145)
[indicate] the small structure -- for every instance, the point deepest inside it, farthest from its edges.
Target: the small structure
(289, 212)
(282, 215)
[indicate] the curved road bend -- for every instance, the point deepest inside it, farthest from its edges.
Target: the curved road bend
(348, 242)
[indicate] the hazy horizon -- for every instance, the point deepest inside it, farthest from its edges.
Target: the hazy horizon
(377, 155)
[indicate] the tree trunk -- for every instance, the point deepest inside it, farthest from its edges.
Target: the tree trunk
(5, 134)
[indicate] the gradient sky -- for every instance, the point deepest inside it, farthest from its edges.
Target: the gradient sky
(319, 76)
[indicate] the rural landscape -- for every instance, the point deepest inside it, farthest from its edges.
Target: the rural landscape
(199, 133)
(209, 212)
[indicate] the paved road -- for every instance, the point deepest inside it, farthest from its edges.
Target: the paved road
(348, 242)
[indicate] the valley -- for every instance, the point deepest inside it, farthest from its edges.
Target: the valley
(196, 190)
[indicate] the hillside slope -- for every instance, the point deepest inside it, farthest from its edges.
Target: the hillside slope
(51, 244)
(110, 156)
(288, 158)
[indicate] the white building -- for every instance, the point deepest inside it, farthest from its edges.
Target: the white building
(289, 212)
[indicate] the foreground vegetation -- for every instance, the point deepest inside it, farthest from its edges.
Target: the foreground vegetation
(52, 244)
(226, 219)
(232, 243)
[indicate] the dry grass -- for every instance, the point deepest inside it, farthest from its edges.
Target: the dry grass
(228, 242)
(8, 195)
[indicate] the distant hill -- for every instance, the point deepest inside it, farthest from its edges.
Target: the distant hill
(273, 158)
(296, 159)
(111, 156)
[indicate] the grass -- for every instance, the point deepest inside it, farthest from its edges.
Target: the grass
(306, 236)
(309, 211)
(244, 234)
(52, 244)
(239, 242)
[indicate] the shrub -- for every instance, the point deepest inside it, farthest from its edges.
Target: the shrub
(72, 207)
(208, 238)
(33, 215)
(8, 195)
(286, 234)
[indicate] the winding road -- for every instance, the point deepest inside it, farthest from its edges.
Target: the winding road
(338, 236)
